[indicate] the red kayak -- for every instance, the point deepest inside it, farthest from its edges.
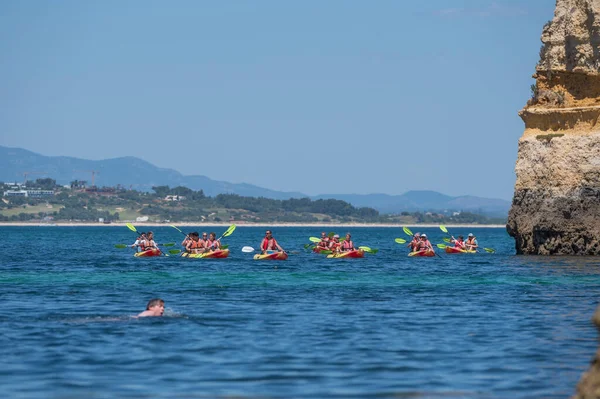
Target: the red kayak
(271, 256)
(454, 250)
(428, 253)
(218, 254)
(147, 253)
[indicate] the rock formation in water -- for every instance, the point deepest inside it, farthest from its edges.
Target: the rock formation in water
(589, 384)
(556, 205)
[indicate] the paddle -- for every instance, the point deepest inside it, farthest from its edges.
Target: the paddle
(174, 251)
(178, 230)
(369, 250)
(314, 239)
(227, 233)
(400, 240)
(407, 231)
(132, 228)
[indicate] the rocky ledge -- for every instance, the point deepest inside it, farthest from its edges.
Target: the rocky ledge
(556, 205)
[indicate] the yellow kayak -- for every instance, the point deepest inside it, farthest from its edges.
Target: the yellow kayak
(348, 254)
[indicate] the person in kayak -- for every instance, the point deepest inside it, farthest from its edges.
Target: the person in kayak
(335, 244)
(424, 244)
(194, 246)
(414, 244)
(155, 307)
(324, 243)
(212, 244)
(458, 243)
(186, 240)
(269, 243)
(149, 243)
(471, 243)
(139, 241)
(347, 245)
(203, 242)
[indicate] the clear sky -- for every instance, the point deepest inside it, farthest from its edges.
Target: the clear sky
(312, 96)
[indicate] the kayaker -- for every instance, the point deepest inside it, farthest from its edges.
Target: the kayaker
(213, 244)
(334, 244)
(424, 244)
(471, 242)
(414, 244)
(139, 241)
(203, 241)
(347, 244)
(155, 307)
(149, 242)
(324, 243)
(458, 243)
(195, 246)
(186, 240)
(269, 243)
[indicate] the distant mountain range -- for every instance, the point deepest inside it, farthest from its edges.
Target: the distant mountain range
(130, 171)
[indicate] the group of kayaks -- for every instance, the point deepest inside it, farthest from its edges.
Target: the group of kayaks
(223, 253)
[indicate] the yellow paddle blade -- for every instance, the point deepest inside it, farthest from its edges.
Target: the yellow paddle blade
(446, 239)
(407, 231)
(444, 229)
(314, 239)
(176, 229)
(365, 249)
(229, 231)
(400, 240)
(131, 227)
(441, 246)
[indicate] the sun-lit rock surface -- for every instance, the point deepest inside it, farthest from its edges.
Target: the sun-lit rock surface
(556, 205)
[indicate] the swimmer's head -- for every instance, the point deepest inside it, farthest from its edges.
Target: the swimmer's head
(156, 305)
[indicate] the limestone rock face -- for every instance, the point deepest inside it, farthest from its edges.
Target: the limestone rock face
(589, 384)
(572, 38)
(556, 205)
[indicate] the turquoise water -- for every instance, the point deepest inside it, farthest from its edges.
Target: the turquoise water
(492, 326)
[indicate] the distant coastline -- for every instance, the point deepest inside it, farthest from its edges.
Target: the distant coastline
(188, 224)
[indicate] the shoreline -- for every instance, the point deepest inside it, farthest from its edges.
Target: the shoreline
(187, 224)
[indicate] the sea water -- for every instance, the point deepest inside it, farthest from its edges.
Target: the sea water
(454, 326)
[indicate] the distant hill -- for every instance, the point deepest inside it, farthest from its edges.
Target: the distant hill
(126, 171)
(425, 201)
(131, 171)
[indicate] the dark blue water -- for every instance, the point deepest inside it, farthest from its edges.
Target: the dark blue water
(388, 325)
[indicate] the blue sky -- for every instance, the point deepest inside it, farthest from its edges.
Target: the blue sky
(311, 96)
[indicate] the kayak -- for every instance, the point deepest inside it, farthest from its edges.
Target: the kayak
(147, 253)
(218, 254)
(349, 254)
(428, 253)
(453, 250)
(271, 256)
(318, 250)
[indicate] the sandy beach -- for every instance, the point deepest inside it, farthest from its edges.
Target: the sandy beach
(240, 225)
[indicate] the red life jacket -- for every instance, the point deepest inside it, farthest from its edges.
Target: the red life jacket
(347, 245)
(268, 245)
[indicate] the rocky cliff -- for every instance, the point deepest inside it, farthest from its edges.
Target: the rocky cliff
(556, 205)
(589, 385)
